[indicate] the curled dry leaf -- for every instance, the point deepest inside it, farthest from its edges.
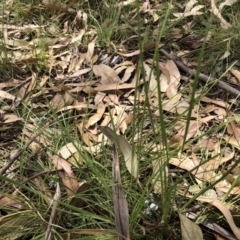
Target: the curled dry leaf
(68, 178)
(70, 148)
(137, 52)
(119, 120)
(191, 132)
(216, 12)
(84, 134)
(206, 144)
(236, 73)
(73, 147)
(219, 158)
(173, 103)
(233, 141)
(172, 90)
(99, 97)
(150, 76)
(226, 3)
(77, 201)
(190, 10)
(127, 74)
(114, 98)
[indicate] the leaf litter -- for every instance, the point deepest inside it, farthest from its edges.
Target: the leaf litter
(100, 96)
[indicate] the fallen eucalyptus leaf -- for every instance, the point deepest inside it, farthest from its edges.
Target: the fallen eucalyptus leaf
(189, 229)
(129, 157)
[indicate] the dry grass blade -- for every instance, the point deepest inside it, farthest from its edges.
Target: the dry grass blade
(119, 200)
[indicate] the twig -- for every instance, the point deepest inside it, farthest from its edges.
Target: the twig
(15, 156)
(56, 199)
(201, 76)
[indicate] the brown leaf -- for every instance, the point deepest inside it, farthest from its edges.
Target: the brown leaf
(218, 102)
(115, 87)
(206, 144)
(236, 73)
(6, 95)
(188, 164)
(137, 52)
(77, 201)
(90, 52)
(189, 229)
(129, 156)
(227, 214)
(127, 74)
(119, 200)
(68, 178)
(97, 116)
(60, 101)
(107, 74)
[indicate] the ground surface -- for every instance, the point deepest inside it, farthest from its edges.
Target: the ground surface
(119, 117)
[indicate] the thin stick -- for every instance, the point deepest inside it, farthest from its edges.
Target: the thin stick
(201, 76)
(13, 158)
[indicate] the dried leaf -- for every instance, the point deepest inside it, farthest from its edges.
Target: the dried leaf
(67, 150)
(216, 12)
(107, 74)
(68, 178)
(137, 52)
(97, 116)
(90, 52)
(188, 164)
(129, 156)
(227, 214)
(190, 10)
(127, 74)
(7, 95)
(189, 229)
(119, 200)
(115, 87)
(226, 3)
(77, 201)
(236, 73)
